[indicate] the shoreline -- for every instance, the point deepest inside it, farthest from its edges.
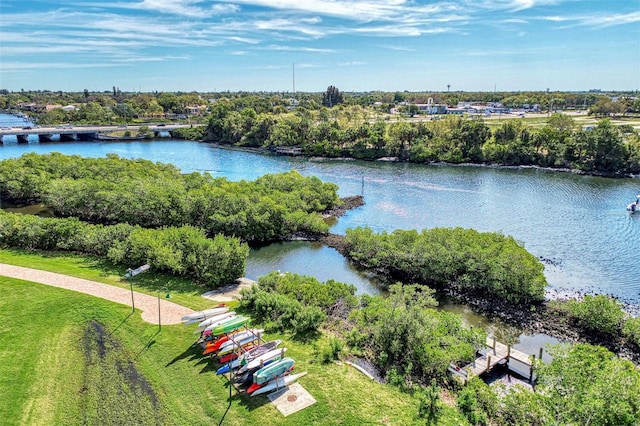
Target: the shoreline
(315, 158)
(542, 318)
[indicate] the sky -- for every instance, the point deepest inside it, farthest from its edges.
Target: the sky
(355, 45)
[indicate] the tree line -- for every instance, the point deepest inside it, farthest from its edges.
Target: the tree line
(114, 190)
(351, 131)
(183, 251)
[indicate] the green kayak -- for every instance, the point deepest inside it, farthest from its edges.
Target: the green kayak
(230, 325)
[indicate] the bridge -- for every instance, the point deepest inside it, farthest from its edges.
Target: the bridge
(73, 133)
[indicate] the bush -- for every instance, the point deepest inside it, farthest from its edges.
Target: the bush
(631, 330)
(283, 312)
(464, 259)
(599, 314)
(182, 251)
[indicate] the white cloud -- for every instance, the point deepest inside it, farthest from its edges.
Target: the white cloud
(300, 49)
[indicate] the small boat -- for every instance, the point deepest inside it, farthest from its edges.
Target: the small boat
(213, 320)
(266, 374)
(233, 356)
(202, 315)
(274, 354)
(240, 342)
(230, 325)
(278, 383)
(634, 207)
(214, 344)
(253, 358)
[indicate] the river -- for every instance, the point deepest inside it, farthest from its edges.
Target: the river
(578, 224)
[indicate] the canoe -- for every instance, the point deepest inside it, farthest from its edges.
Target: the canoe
(248, 356)
(278, 383)
(227, 339)
(213, 320)
(233, 356)
(230, 325)
(247, 376)
(276, 354)
(272, 371)
(214, 344)
(233, 344)
(202, 315)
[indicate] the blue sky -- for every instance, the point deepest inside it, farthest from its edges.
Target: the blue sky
(355, 45)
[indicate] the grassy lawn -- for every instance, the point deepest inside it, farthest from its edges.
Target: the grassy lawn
(69, 358)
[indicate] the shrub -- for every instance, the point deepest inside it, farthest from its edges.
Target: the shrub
(599, 314)
(631, 330)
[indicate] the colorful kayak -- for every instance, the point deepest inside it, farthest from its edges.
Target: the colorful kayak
(272, 371)
(248, 356)
(202, 315)
(230, 325)
(231, 357)
(214, 344)
(274, 354)
(233, 344)
(278, 383)
(213, 320)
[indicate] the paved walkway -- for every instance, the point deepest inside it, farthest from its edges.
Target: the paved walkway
(170, 313)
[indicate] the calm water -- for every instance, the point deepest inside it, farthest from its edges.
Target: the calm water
(578, 222)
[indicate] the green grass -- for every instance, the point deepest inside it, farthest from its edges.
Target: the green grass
(69, 358)
(182, 291)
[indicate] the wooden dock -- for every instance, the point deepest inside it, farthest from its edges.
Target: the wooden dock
(494, 354)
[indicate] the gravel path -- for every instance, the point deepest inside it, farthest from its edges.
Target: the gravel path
(170, 313)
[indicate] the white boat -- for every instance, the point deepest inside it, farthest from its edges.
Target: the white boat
(204, 324)
(249, 356)
(255, 363)
(278, 383)
(239, 341)
(634, 207)
(202, 315)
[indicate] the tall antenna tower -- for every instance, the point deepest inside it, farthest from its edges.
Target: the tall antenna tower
(293, 74)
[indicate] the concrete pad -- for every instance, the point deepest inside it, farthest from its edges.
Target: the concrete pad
(291, 399)
(229, 292)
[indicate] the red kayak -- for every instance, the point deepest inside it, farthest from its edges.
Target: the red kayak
(214, 345)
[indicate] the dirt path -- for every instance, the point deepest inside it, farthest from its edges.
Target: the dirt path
(170, 313)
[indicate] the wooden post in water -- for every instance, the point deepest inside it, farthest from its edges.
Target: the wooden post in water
(533, 361)
(488, 362)
(540, 356)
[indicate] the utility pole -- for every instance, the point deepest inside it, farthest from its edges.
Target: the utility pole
(549, 103)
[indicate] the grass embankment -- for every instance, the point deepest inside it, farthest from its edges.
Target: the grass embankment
(70, 358)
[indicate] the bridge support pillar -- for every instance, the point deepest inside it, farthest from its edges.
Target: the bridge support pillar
(45, 137)
(67, 137)
(87, 136)
(23, 138)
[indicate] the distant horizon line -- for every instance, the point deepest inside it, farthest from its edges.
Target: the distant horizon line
(592, 91)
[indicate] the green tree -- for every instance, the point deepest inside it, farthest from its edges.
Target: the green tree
(332, 97)
(587, 384)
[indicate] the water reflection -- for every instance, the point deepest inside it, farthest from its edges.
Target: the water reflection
(309, 258)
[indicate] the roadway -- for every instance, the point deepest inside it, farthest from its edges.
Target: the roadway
(67, 129)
